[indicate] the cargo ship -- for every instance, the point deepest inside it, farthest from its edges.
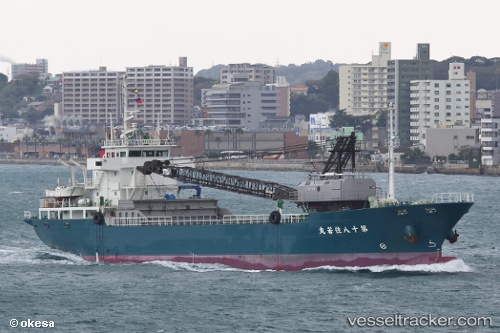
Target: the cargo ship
(129, 211)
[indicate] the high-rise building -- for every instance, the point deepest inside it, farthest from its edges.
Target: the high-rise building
(439, 103)
(158, 93)
(41, 67)
(166, 93)
(246, 72)
(400, 73)
(94, 96)
(363, 88)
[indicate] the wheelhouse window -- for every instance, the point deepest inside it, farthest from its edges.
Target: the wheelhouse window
(161, 153)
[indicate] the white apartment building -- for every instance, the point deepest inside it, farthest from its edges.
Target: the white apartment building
(490, 151)
(363, 88)
(92, 95)
(439, 103)
(166, 92)
(243, 104)
(246, 72)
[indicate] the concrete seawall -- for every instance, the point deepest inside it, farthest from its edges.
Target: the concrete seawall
(29, 161)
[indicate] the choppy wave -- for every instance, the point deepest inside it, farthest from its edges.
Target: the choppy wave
(22, 256)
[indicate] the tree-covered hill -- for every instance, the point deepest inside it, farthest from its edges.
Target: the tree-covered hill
(323, 94)
(310, 71)
(487, 70)
(13, 93)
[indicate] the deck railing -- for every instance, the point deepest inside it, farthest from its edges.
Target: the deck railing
(260, 219)
(200, 220)
(138, 142)
(452, 197)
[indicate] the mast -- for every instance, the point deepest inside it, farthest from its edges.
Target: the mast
(129, 128)
(391, 145)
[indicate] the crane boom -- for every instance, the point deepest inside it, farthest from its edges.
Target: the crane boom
(232, 183)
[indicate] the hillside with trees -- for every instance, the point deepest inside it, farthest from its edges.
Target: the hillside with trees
(17, 94)
(322, 95)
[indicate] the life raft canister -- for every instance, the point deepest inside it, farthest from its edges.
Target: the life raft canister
(98, 218)
(275, 217)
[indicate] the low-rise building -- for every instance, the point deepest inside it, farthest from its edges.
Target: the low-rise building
(446, 141)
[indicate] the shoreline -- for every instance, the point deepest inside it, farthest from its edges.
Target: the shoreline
(295, 165)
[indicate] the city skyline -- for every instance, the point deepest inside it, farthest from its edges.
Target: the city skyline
(120, 34)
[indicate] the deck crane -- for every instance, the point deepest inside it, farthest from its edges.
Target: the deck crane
(255, 187)
(334, 188)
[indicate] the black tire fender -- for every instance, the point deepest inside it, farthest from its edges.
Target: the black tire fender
(275, 217)
(98, 218)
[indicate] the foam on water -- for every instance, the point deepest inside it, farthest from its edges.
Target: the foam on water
(202, 268)
(453, 266)
(16, 192)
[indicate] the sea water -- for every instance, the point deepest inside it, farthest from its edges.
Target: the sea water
(41, 284)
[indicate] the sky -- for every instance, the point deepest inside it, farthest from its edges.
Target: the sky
(84, 35)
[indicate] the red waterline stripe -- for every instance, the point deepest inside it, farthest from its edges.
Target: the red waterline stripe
(287, 262)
